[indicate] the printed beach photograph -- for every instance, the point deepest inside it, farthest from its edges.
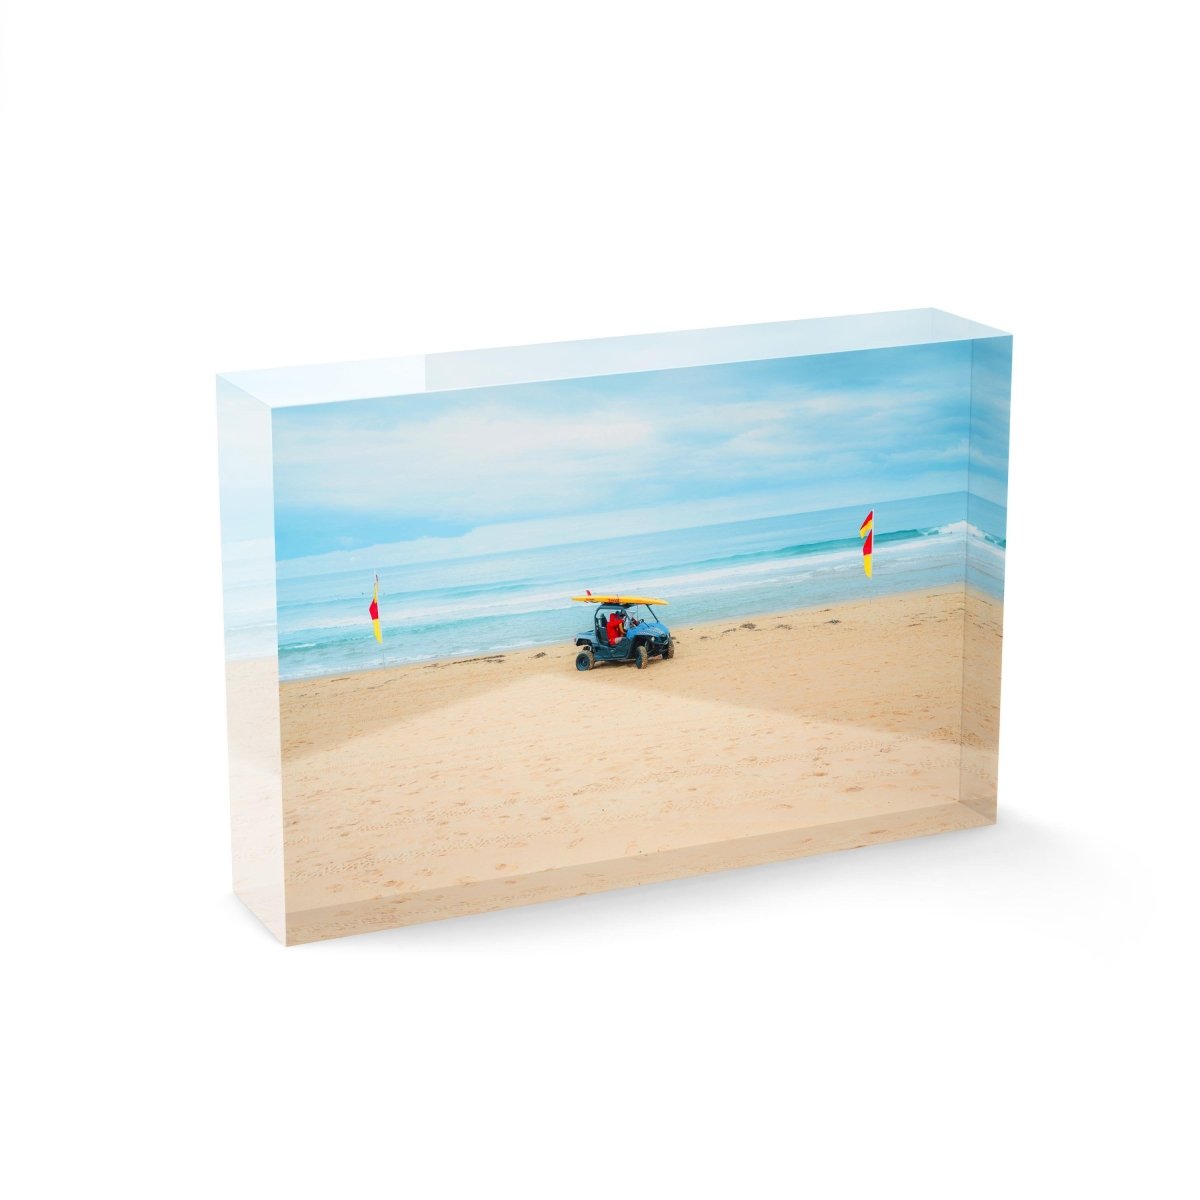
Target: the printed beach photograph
(550, 638)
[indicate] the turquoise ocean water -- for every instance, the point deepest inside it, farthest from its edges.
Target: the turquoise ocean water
(520, 598)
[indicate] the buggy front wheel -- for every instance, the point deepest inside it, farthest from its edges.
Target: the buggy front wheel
(584, 660)
(669, 652)
(641, 656)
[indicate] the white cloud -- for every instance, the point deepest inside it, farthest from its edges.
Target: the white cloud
(531, 467)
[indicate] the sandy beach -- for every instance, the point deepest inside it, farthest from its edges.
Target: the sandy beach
(438, 789)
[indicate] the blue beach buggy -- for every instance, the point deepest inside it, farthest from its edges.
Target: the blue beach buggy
(642, 638)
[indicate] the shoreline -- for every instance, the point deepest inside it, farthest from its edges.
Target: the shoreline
(536, 649)
(432, 789)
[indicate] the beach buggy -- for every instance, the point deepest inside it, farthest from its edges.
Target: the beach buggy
(619, 635)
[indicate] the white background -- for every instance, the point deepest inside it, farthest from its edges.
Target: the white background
(195, 188)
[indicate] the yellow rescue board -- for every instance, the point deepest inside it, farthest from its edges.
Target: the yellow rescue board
(599, 599)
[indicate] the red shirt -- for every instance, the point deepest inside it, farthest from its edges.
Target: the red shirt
(614, 629)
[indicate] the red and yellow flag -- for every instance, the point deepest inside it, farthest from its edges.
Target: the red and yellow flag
(374, 611)
(867, 530)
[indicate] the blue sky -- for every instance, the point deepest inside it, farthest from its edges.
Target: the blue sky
(455, 473)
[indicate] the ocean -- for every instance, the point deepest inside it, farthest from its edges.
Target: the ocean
(518, 599)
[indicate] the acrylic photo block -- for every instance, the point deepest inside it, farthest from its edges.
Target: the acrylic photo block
(513, 625)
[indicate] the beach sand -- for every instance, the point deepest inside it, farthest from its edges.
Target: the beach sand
(438, 789)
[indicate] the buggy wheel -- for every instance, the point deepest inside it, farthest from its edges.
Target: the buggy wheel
(669, 652)
(584, 660)
(641, 656)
